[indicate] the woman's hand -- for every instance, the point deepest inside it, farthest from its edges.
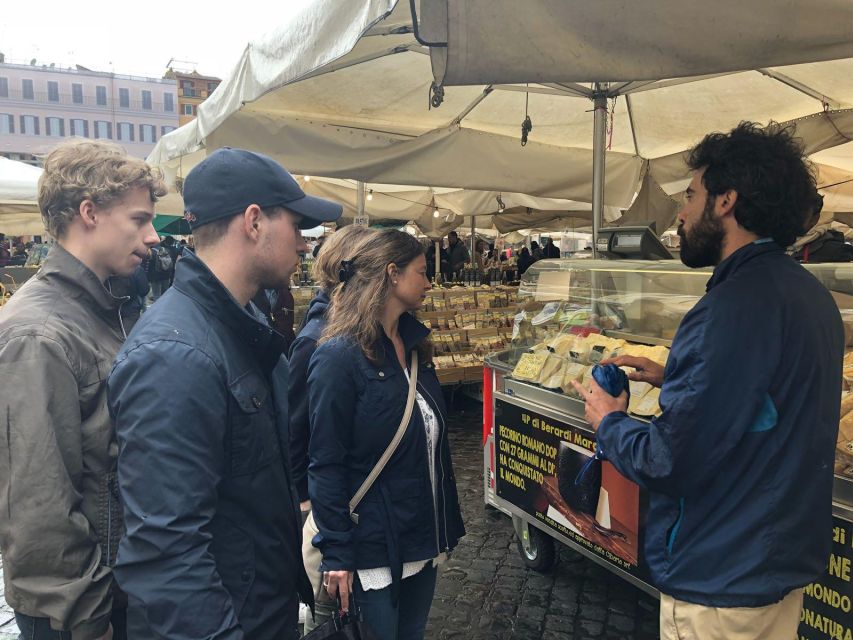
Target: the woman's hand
(339, 583)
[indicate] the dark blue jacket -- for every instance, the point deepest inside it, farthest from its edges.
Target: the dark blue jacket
(213, 545)
(300, 356)
(356, 408)
(740, 464)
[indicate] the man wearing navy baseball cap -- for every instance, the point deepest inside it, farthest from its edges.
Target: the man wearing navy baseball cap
(199, 396)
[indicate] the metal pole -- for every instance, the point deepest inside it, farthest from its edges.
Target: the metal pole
(473, 242)
(438, 261)
(359, 198)
(598, 151)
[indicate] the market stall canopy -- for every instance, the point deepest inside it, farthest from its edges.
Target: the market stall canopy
(340, 89)
(455, 206)
(478, 41)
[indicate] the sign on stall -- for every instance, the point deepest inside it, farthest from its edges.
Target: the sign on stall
(546, 468)
(361, 221)
(828, 602)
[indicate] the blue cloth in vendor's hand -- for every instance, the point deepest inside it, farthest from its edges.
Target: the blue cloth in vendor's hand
(612, 379)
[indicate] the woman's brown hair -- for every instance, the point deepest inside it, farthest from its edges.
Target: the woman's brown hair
(357, 303)
(337, 247)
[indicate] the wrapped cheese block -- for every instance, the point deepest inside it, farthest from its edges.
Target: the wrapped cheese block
(551, 375)
(562, 344)
(846, 403)
(574, 372)
(530, 365)
(639, 390)
(648, 406)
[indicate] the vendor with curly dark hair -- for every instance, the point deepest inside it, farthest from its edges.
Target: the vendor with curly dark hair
(740, 463)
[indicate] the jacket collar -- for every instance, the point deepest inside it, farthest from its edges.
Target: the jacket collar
(411, 331)
(196, 281)
(731, 265)
(62, 266)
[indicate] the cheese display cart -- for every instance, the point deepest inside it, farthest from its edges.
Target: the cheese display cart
(570, 315)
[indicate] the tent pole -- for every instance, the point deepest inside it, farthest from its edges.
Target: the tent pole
(598, 151)
(438, 261)
(473, 241)
(359, 200)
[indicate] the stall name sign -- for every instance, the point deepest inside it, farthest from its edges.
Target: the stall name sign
(828, 602)
(361, 221)
(545, 468)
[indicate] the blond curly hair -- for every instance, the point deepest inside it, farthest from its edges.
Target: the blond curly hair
(99, 171)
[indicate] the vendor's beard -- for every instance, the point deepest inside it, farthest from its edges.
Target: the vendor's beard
(702, 246)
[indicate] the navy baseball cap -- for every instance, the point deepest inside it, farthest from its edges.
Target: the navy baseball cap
(229, 180)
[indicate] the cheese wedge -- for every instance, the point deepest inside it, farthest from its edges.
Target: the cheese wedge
(574, 371)
(551, 375)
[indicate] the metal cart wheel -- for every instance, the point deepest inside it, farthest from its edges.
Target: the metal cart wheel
(537, 549)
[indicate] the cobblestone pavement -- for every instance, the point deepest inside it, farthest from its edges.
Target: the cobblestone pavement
(486, 592)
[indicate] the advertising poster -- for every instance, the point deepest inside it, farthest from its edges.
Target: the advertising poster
(546, 468)
(827, 603)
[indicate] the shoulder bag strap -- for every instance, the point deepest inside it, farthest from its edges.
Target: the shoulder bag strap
(401, 430)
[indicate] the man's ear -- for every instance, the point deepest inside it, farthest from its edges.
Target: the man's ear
(252, 221)
(724, 204)
(88, 214)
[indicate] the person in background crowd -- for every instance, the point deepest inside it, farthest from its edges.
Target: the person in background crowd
(199, 394)
(60, 517)
(358, 384)
(174, 252)
(276, 305)
(551, 250)
(135, 289)
(5, 254)
(326, 273)
(536, 251)
(524, 261)
(319, 245)
(457, 254)
(740, 463)
(160, 268)
(443, 260)
(480, 261)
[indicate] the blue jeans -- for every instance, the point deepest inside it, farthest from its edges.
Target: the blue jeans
(39, 628)
(408, 619)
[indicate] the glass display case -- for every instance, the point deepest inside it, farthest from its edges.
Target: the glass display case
(573, 313)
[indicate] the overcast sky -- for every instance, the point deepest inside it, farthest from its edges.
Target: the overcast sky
(136, 38)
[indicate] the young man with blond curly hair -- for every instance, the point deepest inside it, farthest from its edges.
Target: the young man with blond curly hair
(60, 517)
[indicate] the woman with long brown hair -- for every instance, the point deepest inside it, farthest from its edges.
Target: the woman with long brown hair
(358, 386)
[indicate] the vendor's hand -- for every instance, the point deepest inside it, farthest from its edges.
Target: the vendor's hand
(339, 582)
(645, 370)
(599, 403)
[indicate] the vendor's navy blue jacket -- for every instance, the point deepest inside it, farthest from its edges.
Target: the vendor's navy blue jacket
(740, 463)
(212, 547)
(356, 407)
(300, 356)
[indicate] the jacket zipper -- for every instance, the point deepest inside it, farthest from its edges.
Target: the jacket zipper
(441, 435)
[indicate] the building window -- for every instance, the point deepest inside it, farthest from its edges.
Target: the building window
(124, 98)
(125, 132)
(27, 88)
(55, 127)
(4, 87)
(29, 125)
(7, 123)
(77, 93)
(211, 87)
(188, 88)
(146, 133)
(80, 128)
(146, 99)
(166, 129)
(53, 91)
(103, 130)
(169, 102)
(188, 110)
(101, 96)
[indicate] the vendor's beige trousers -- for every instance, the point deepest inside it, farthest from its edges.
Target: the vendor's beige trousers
(681, 620)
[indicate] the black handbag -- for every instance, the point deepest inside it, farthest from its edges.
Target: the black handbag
(343, 625)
